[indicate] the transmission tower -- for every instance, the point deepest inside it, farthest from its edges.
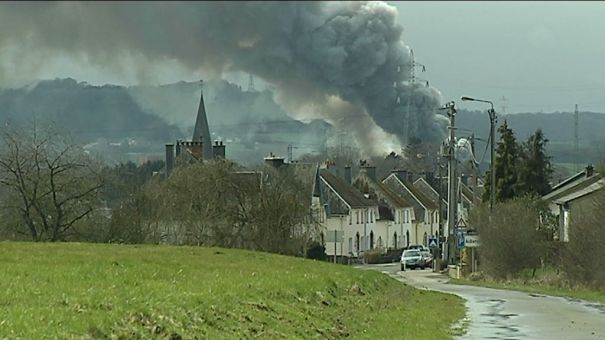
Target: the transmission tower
(251, 83)
(503, 107)
(576, 137)
(412, 80)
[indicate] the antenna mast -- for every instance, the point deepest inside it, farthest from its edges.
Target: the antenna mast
(576, 138)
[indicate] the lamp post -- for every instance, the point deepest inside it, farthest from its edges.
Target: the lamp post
(492, 120)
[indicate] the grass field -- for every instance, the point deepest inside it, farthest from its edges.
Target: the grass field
(140, 292)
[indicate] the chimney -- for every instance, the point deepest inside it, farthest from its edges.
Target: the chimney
(169, 159)
(589, 171)
(218, 150)
(369, 170)
(403, 175)
(348, 174)
(274, 161)
(430, 178)
(179, 146)
(464, 179)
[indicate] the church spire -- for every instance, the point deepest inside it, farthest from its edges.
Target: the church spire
(201, 132)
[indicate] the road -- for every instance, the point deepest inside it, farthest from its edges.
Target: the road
(506, 314)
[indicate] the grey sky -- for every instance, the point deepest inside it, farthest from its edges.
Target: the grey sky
(541, 56)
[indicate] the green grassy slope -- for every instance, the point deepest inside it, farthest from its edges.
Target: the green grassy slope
(100, 291)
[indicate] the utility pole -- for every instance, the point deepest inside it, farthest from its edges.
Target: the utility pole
(492, 136)
(451, 183)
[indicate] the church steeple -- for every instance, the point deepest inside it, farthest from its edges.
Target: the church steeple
(201, 132)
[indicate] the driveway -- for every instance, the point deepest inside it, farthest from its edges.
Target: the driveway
(506, 314)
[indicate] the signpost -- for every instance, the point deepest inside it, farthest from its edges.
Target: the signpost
(471, 241)
(460, 237)
(336, 236)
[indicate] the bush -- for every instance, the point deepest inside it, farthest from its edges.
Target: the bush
(316, 251)
(372, 256)
(583, 257)
(510, 239)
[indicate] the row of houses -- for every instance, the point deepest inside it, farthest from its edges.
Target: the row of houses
(361, 213)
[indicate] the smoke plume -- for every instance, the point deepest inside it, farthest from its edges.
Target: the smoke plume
(311, 52)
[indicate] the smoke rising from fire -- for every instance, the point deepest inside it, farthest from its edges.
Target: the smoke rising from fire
(311, 52)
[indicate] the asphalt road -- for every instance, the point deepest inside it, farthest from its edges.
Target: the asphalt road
(506, 314)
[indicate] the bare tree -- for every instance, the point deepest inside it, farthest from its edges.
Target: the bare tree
(51, 183)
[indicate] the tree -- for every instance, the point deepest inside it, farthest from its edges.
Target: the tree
(505, 164)
(535, 168)
(52, 185)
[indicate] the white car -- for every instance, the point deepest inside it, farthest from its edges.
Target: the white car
(412, 259)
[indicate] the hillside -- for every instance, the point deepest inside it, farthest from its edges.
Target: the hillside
(557, 127)
(118, 123)
(142, 292)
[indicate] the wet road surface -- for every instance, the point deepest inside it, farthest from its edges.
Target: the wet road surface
(505, 314)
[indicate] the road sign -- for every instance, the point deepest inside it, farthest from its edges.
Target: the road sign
(334, 236)
(460, 240)
(433, 242)
(471, 241)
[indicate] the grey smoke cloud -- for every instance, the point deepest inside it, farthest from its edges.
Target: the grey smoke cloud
(310, 51)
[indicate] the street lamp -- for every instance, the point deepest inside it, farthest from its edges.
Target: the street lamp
(492, 119)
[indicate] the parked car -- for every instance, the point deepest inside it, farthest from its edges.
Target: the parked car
(412, 259)
(418, 247)
(427, 258)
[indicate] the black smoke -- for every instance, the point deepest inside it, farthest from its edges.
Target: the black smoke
(334, 60)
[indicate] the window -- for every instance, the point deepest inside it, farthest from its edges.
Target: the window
(425, 239)
(395, 240)
(372, 239)
(350, 217)
(350, 244)
(357, 216)
(371, 216)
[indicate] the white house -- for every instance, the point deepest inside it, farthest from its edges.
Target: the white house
(395, 215)
(425, 219)
(346, 212)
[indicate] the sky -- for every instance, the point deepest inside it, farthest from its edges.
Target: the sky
(538, 56)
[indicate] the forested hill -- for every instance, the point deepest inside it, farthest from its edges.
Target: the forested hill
(557, 127)
(84, 111)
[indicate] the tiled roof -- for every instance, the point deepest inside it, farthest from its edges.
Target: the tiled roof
(395, 199)
(587, 190)
(428, 191)
(576, 186)
(352, 196)
(427, 202)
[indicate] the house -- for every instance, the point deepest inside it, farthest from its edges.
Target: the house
(348, 219)
(425, 219)
(572, 195)
(395, 214)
